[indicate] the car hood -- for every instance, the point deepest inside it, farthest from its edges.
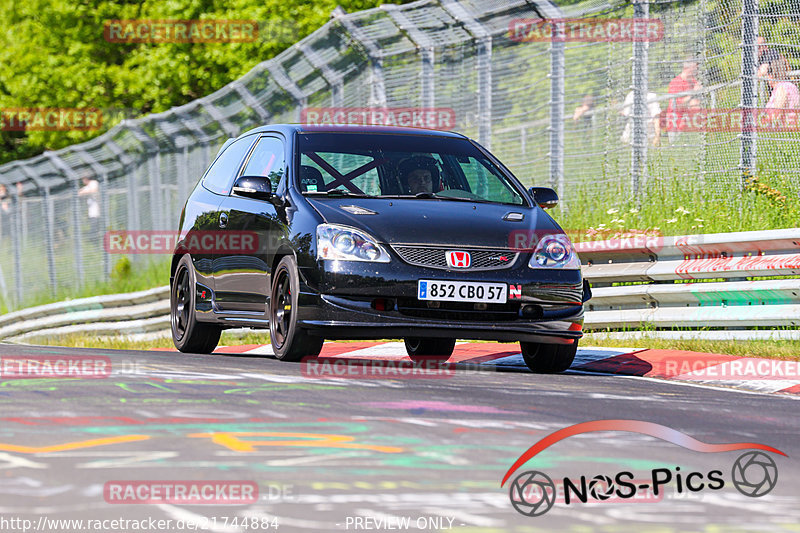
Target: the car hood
(436, 222)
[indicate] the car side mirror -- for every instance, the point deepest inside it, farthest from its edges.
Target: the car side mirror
(545, 197)
(258, 187)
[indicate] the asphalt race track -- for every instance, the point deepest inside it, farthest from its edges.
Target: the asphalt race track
(359, 454)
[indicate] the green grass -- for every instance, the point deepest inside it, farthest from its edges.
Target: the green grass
(789, 350)
(125, 277)
(680, 207)
(121, 343)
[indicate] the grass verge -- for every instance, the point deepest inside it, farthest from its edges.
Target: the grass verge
(768, 349)
(783, 349)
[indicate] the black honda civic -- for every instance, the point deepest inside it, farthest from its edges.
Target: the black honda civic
(357, 232)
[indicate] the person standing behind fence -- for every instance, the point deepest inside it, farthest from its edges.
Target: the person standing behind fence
(766, 55)
(583, 110)
(653, 118)
(5, 209)
(678, 107)
(785, 94)
(91, 190)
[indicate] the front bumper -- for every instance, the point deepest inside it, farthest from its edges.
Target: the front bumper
(342, 305)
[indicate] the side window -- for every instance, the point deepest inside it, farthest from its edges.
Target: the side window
(219, 177)
(267, 160)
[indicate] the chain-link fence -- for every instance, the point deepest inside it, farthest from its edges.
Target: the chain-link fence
(586, 114)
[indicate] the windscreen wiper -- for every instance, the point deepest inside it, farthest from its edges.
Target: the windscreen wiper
(435, 196)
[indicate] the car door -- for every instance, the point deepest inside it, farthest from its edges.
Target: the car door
(203, 212)
(242, 273)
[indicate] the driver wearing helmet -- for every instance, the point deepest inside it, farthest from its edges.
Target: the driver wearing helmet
(418, 175)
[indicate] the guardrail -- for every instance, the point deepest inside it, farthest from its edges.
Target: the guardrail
(107, 315)
(694, 281)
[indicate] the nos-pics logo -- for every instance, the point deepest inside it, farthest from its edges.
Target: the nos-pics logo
(533, 493)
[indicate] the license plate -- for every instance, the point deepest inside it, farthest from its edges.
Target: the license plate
(462, 291)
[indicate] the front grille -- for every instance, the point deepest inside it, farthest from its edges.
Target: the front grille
(460, 311)
(481, 259)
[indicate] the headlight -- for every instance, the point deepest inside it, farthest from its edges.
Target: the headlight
(348, 244)
(554, 251)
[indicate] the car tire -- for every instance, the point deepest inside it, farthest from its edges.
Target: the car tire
(419, 347)
(548, 358)
(289, 341)
(189, 335)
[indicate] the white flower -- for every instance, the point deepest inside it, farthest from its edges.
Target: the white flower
(633, 211)
(682, 210)
(699, 220)
(612, 211)
(672, 221)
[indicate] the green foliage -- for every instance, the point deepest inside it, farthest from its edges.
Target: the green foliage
(122, 269)
(54, 54)
(680, 207)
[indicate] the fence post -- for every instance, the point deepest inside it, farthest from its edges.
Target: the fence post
(16, 233)
(333, 79)
(105, 221)
(374, 54)
(133, 199)
(154, 180)
(640, 114)
(484, 65)
(427, 52)
(49, 223)
(284, 82)
(70, 175)
(182, 168)
(76, 228)
(557, 72)
(747, 161)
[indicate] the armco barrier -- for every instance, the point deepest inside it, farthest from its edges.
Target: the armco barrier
(693, 282)
(107, 315)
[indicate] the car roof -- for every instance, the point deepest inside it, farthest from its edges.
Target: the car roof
(335, 128)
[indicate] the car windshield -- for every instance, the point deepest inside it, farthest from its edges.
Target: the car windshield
(378, 165)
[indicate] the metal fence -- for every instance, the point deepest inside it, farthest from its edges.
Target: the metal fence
(521, 98)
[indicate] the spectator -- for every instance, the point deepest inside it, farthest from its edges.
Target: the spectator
(91, 190)
(587, 104)
(5, 201)
(766, 55)
(785, 94)
(653, 122)
(5, 207)
(678, 106)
